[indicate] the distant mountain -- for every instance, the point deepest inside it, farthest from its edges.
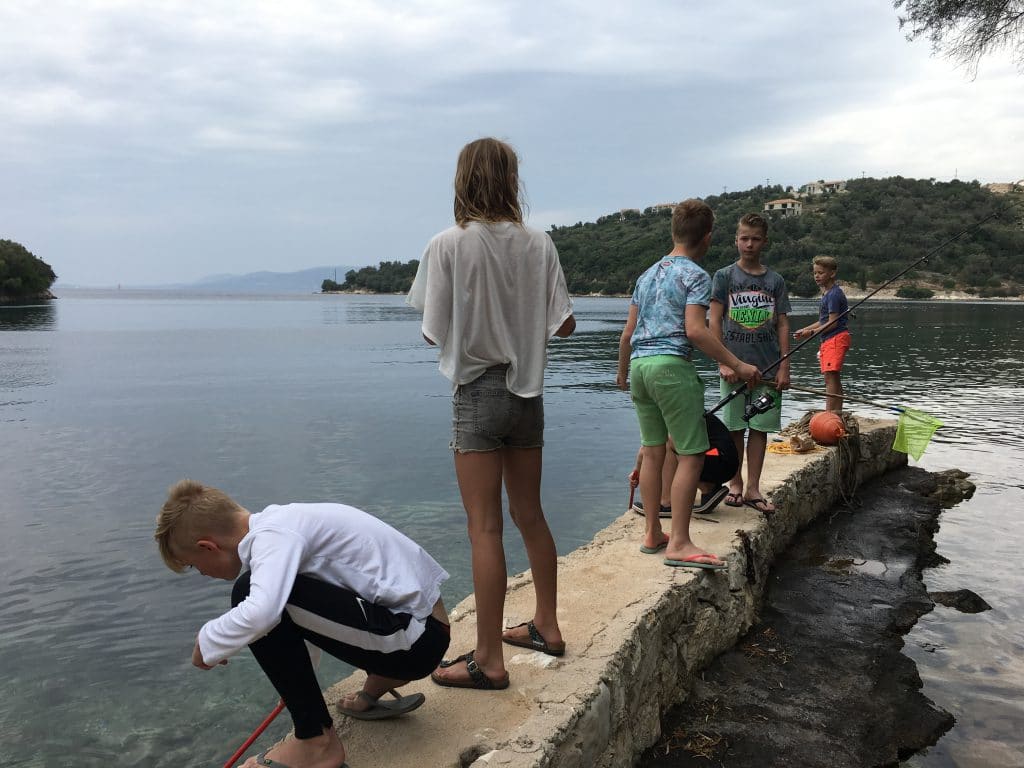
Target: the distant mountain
(304, 281)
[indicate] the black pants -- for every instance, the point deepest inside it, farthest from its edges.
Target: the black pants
(283, 656)
(721, 465)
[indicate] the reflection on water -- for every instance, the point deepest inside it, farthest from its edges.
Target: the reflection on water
(337, 397)
(27, 317)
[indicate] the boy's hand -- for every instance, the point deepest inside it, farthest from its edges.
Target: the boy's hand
(803, 333)
(749, 373)
(622, 382)
(634, 478)
(782, 378)
(197, 659)
(727, 373)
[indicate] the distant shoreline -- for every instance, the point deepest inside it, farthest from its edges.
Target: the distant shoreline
(855, 294)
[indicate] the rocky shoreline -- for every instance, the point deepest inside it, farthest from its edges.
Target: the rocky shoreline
(820, 679)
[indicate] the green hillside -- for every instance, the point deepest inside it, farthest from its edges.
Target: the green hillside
(875, 228)
(23, 275)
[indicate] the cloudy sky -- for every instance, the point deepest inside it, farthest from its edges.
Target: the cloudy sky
(155, 142)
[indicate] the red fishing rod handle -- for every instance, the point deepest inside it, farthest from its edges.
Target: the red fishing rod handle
(255, 735)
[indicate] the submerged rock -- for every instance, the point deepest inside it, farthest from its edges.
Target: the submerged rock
(963, 600)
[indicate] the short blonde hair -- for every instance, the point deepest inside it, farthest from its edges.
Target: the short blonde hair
(828, 262)
(192, 511)
(691, 221)
(753, 220)
(487, 183)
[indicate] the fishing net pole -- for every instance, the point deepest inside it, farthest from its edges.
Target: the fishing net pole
(914, 429)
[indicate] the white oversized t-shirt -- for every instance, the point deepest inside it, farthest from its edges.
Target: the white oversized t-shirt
(492, 294)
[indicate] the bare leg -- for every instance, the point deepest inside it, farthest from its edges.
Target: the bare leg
(834, 388)
(736, 482)
(757, 445)
(650, 493)
(668, 471)
(324, 751)
(684, 488)
(522, 470)
(479, 476)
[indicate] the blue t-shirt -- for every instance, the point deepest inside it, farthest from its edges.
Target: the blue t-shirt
(661, 295)
(833, 301)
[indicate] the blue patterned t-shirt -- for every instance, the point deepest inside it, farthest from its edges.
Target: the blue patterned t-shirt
(661, 296)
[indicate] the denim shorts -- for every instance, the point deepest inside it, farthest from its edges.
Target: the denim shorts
(486, 416)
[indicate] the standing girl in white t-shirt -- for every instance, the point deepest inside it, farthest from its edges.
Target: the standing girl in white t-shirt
(492, 294)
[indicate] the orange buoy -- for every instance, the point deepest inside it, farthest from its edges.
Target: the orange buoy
(827, 427)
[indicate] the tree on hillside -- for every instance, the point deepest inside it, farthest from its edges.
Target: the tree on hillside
(966, 30)
(22, 273)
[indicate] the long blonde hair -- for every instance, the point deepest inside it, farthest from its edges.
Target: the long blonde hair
(487, 183)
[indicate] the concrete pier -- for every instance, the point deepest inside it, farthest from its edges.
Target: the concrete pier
(637, 634)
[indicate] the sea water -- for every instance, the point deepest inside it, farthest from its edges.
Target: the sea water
(107, 398)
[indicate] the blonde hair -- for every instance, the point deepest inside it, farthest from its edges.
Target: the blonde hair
(828, 262)
(753, 220)
(192, 511)
(487, 183)
(692, 220)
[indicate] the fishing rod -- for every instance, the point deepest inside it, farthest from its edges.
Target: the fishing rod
(909, 413)
(765, 402)
(255, 734)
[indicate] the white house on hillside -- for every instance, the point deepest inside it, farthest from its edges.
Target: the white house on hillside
(823, 187)
(785, 206)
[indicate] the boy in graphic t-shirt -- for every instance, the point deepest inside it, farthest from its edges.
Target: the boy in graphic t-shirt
(750, 314)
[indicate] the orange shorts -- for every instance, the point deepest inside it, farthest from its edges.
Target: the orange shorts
(833, 352)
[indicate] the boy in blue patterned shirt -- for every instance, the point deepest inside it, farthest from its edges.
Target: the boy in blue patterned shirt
(667, 318)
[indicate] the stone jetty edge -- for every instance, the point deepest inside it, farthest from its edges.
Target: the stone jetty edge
(638, 633)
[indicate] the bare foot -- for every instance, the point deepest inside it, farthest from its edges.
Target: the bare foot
(324, 751)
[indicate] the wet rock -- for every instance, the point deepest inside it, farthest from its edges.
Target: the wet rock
(821, 680)
(963, 600)
(952, 487)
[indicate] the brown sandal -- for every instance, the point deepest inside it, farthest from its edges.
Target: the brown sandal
(477, 677)
(536, 641)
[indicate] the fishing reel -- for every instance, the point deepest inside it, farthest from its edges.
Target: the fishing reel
(760, 404)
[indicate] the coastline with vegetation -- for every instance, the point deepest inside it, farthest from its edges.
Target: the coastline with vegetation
(23, 275)
(875, 227)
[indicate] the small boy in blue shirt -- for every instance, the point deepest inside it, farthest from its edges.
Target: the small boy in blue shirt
(835, 336)
(667, 318)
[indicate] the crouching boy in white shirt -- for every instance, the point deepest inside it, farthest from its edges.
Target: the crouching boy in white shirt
(329, 574)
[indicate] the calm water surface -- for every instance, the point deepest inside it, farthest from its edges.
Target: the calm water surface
(108, 398)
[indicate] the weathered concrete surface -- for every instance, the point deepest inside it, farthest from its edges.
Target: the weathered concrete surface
(637, 633)
(821, 680)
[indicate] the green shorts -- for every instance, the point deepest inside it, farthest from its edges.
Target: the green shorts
(732, 412)
(669, 399)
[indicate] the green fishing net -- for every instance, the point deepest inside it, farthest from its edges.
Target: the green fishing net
(914, 431)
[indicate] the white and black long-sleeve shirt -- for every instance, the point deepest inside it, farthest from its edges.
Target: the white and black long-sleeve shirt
(339, 545)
